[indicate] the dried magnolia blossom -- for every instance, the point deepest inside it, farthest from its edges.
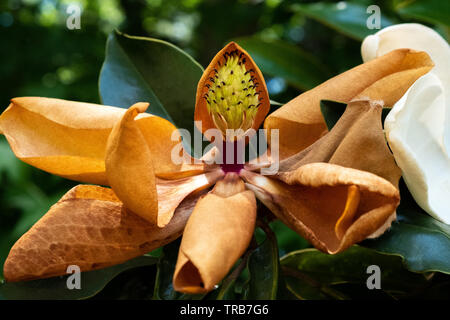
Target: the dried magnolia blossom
(340, 190)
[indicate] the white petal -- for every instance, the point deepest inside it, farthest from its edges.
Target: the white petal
(415, 130)
(418, 126)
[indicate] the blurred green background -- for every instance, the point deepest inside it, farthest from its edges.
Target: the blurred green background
(42, 57)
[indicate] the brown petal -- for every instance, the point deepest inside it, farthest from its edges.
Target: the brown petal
(69, 138)
(172, 192)
(88, 227)
(201, 110)
(356, 141)
(331, 206)
(217, 234)
(129, 167)
(385, 78)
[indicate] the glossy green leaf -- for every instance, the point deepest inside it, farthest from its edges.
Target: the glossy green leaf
(263, 266)
(344, 17)
(166, 266)
(92, 282)
(304, 287)
(282, 59)
(163, 289)
(421, 240)
(312, 274)
(227, 289)
(432, 11)
(287, 239)
(150, 70)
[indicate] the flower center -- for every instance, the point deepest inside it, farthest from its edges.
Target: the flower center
(234, 163)
(232, 97)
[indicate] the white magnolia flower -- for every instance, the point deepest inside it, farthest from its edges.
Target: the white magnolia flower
(418, 126)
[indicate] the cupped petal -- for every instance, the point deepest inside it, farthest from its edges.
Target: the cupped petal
(216, 235)
(236, 92)
(91, 228)
(69, 138)
(385, 78)
(332, 206)
(415, 129)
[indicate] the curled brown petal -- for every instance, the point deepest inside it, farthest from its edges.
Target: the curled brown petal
(129, 166)
(88, 227)
(216, 235)
(385, 78)
(356, 141)
(331, 206)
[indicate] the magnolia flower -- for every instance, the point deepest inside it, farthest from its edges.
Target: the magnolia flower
(338, 191)
(418, 127)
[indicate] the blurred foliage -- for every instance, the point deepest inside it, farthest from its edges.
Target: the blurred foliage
(42, 57)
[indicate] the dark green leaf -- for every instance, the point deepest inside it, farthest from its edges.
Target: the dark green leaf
(304, 287)
(316, 272)
(283, 291)
(133, 284)
(92, 282)
(288, 240)
(421, 240)
(163, 284)
(263, 268)
(150, 70)
(433, 11)
(347, 18)
(275, 58)
(166, 266)
(227, 290)
(333, 110)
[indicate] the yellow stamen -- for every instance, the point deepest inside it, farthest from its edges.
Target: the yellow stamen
(232, 96)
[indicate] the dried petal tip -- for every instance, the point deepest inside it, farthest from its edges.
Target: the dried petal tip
(232, 93)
